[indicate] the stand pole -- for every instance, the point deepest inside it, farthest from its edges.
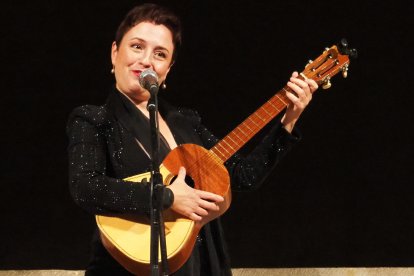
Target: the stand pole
(157, 192)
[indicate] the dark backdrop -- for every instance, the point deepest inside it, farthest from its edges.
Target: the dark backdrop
(342, 197)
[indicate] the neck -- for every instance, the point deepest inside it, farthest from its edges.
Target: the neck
(140, 104)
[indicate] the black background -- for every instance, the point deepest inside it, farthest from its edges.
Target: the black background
(342, 197)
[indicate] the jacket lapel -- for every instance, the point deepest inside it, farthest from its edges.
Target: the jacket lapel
(133, 121)
(137, 124)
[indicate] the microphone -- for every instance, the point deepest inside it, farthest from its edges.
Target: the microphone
(148, 79)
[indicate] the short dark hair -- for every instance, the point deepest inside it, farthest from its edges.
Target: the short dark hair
(153, 13)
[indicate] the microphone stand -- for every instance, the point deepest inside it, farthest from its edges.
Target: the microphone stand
(157, 192)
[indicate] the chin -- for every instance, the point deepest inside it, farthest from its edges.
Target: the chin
(141, 95)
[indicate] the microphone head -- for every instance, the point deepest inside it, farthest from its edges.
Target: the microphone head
(148, 78)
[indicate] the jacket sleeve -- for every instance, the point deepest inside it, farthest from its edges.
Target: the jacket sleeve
(89, 183)
(249, 172)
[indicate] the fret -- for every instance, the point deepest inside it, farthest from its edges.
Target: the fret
(246, 125)
(238, 127)
(281, 98)
(265, 110)
(224, 141)
(238, 136)
(223, 147)
(250, 117)
(259, 117)
(228, 136)
(215, 149)
(275, 107)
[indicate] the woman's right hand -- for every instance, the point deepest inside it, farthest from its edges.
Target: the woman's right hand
(192, 203)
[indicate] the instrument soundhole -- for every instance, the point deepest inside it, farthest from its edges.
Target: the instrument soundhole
(188, 180)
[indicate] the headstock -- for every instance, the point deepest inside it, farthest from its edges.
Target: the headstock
(332, 61)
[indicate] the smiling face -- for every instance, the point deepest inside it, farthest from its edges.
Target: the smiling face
(144, 46)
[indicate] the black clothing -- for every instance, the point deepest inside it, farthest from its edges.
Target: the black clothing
(108, 143)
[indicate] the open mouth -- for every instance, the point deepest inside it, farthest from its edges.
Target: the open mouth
(137, 73)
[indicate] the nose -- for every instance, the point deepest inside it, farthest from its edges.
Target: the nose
(146, 60)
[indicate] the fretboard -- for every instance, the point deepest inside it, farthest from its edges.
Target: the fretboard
(230, 144)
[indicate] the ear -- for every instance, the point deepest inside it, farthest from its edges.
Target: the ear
(114, 52)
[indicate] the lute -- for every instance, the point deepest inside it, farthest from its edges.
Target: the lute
(128, 238)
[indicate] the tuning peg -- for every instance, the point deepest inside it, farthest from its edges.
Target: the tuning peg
(345, 71)
(343, 43)
(327, 83)
(344, 49)
(308, 63)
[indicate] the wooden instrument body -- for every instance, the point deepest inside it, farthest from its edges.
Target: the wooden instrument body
(127, 238)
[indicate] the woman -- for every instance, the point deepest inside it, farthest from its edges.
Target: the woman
(111, 142)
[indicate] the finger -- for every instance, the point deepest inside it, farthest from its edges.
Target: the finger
(303, 93)
(201, 212)
(195, 217)
(209, 196)
(292, 97)
(297, 89)
(295, 74)
(211, 206)
(181, 173)
(301, 83)
(312, 84)
(298, 96)
(305, 84)
(306, 92)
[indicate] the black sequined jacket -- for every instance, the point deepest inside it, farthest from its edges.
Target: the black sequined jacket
(106, 144)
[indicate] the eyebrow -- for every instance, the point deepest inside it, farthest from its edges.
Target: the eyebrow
(158, 47)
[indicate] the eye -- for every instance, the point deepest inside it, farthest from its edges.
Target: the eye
(160, 55)
(137, 46)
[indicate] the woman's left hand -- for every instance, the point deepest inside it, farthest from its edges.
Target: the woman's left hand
(303, 89)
